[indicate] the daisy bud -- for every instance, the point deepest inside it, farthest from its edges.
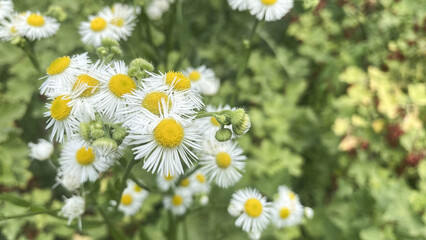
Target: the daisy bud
(41, 151)
(204, 200)
(222, 119)
(70, 182)
(223, 134)
(119, 134)
(57, 12)
(107, 145)
(18, 41)
(142, 63)
(116, 50)
(238, 116)
(85, 131)
(102, 51)
(97, 133)
(73, 208)
(98, 125)
(109, 43)
(309, 212)
(243, 127)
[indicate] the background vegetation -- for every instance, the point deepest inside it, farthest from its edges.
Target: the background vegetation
(335, 91)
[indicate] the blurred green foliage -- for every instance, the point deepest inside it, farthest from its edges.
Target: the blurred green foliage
(352, 60)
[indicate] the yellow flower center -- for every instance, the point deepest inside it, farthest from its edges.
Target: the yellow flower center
(126, 199)
(223, 160)
(178, 81)
(185, 182)
(292, 195)
(137, 188)
(284, 212)
(268, 2)
(90, 82)
(58, 65)
(214, 121)
(98, 24)
(152, 102)
(13, 29)
(121, 84)
(253, 207)
(177, 200)
(194, 76)
(60, 109)
(200, 177)
(35, 20)
(85, 156)
(168, 133)
(169, 177)
(117, 21)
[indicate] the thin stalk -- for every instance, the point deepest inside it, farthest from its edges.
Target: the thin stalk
(50, 212)
(29, 50)
(172, 233)
(125, 177)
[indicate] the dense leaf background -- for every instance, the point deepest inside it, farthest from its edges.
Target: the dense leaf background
(356, 61)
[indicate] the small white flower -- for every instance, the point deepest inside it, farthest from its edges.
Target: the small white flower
(80, 160)
(136, 190)
(42, 150)
(179, 202)
(157, 8)
(203, 80)
(8, 27)
(130, 203)
(269, 10)
(69, 181)
(73, 208)
(35, 26)
(287, 208)
(96, 29)
(256, 212)
(309, 212)
(6, 8)
(240, 5)
(121, 18)
(165, 182)
(199, 183)
(222, 162)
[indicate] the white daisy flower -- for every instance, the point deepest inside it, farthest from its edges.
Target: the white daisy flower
(166, 143)
(222, 162)
(121, 19)
(256, 212)
(186, 184)
(209, 125)
(35, 26)
(136, 190)
(199, 183)
(8, 28)
(79, 160)
(42, 150)
(203, 80)
(61, 120)
(165, 182)
(129, 203)
(269, 10)
(179, 202)
(240, 5)
(6, 8)
(96, 29)
(114, 85)
(176, 81)
(73, 208)
(287, 209)
(62, 73)
(157, 8)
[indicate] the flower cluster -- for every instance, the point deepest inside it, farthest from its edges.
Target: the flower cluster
(254, 212)
(268, 10)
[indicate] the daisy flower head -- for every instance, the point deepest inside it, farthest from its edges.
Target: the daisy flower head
(121, 19)
(35, 26)
(62, 73)
(199, 183)
(255, 210)
(61, 120)
(73, 208)
(8, 30)
(6, 8)
(177, 82)
(97, 28)
(42, 150)
(166, 143)
(240, 5)
(165, 182)
(287, 209)
(209, 125)
(79, 160)
(203, 80)
(130, 203)
(269, 10)
(113, 86)
(136, 190)
(179, 202)
(222, 162)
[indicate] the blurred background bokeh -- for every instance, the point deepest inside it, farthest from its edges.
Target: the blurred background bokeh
(335, 91)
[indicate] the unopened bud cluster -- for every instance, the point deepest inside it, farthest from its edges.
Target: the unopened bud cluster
(57, 12)
(239, 120)
(103, 135)
(138, 67)
(109, 50)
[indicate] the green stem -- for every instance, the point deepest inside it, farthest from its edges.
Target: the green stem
(125, 177)
(29, 50)
(50, 212)
(172, 233)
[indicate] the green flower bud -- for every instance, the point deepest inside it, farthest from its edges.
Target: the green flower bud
(105, 145)
(142, 64)
(119, 134)
(242, 128)
(109, 43)
(223, 134)
(116, 50)
(18, 41)
(85, 131)
(237, 116)
(98, 125)
(102, 51)
(97, 133)
(222, 119)
(57, 12)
